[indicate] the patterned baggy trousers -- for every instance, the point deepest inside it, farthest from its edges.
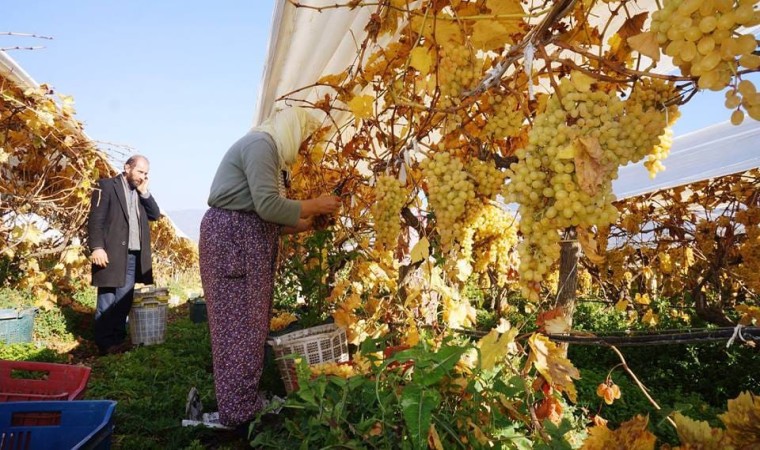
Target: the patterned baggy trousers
(238, 254)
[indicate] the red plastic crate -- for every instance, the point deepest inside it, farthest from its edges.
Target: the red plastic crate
(41, 381)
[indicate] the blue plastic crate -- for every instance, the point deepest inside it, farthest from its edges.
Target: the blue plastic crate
(56, 425)
(16, 326)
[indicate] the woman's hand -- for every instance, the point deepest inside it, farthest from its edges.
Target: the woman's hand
(326, 204)
(302, 225)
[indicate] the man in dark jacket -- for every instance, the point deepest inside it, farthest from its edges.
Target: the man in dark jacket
(119, 239)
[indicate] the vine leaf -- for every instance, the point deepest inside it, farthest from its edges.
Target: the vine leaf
(549, 361)
(421, 250)
(646, 44)
(421, 60)
(631, 435)
(742, 420)
(361, 106)
(494, 347)
(590, 166)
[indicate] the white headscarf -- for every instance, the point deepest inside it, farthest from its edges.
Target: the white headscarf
(288, 128)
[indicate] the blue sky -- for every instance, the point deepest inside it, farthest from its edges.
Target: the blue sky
(175, 81)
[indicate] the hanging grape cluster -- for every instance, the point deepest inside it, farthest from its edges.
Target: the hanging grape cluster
(702, 37)
(564, 176)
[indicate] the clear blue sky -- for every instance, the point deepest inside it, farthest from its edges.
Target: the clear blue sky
(175, 80)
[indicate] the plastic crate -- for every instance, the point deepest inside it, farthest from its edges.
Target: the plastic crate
(147, 322)
(75, 424)
(45, 381)
(16, 326)
(323, 343)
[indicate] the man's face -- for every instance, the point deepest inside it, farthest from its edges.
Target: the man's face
(137, 173)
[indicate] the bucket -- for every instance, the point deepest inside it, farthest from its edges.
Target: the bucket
(198, 312)
(147, 322)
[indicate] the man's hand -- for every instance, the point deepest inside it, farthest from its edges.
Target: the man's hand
(99, 257)
(142, 188)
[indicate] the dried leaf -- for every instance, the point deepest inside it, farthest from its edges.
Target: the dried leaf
(631, 435)
(646, 44)
(742, 420)
(590, 167)
(695, 434)
(593, 250)
(549, 361)
(434, 441)
(633, 25)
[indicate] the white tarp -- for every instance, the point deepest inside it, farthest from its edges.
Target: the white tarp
(711, 152)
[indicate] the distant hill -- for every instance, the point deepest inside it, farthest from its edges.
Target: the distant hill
(189, 221)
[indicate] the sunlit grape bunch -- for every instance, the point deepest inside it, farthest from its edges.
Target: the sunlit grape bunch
(282, 320)
(564, 176)
(390, 198)
(506, 118)
(704, 40)
(650, 111)
(332, 369)
(449, 190)
(489, 179)
(743, 96)
(457, 73)
(489, 239)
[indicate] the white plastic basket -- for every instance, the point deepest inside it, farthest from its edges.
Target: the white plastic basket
(323, 343)
(147, 322)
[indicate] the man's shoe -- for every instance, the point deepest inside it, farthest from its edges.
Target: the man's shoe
(117, 349)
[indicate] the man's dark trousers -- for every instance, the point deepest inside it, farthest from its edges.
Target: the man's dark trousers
(113, 308)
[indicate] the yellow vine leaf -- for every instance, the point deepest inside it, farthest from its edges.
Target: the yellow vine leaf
(642, 299)
(361, 106)
(421, 60)
(549, 361)
(619, 50)
(631, 435)
(697, 434)
(445, 30)
(334, 79)
(589, 164)
(411, 336)
(494, 347)
(621, 305)
(490, 35)
(650, 319)
(646, 44)
(501, 7)
(750, 314)
(421, 250)
(742, 420)
(71, 254)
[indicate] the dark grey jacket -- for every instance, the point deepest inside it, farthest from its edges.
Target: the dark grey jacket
(108, 228)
